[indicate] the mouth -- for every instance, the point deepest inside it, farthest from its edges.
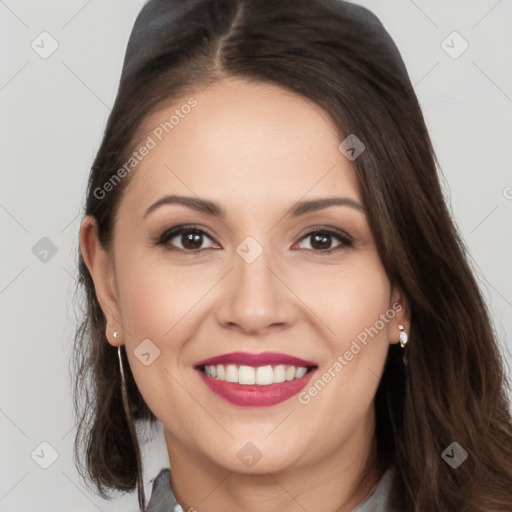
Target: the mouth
(255, 380)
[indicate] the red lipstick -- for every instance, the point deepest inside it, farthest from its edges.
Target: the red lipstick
(255, 395)
(249, 359)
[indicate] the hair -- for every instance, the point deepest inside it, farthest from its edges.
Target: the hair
(337, 54)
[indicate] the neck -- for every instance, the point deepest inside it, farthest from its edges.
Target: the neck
(338, 482)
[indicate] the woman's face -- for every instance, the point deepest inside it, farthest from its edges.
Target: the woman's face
(268, 275)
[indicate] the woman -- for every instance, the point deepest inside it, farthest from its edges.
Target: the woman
(272, 273)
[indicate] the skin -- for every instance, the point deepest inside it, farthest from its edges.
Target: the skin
(254, 149)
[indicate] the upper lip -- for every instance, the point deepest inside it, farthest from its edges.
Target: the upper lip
(261, 359)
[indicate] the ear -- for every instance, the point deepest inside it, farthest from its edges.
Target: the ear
(399, 304)
(101, 267)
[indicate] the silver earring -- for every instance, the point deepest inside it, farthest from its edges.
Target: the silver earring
(123, 383)
(133, 433)
(403, 336)
(115, 334)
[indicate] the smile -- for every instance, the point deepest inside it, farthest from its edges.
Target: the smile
(255, 379)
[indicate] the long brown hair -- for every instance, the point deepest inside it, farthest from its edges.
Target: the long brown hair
(454, 387)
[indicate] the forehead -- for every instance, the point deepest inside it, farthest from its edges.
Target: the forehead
(244, 142)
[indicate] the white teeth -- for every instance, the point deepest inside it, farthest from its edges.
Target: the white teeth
(261, 375)
(231, 373)
(211, 371)
(300, 372)
(264, 375)
(246, 375)
(280, 373)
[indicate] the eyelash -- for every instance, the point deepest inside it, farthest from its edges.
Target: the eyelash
(169, 234)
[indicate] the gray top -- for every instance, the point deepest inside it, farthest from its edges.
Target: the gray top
(163, 500)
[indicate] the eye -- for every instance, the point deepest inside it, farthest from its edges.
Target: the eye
(321, 240)
(191, 238)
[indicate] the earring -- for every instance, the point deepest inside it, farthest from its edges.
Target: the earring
(133, 434)
(123, 382)
(403, 336)
(115, 334)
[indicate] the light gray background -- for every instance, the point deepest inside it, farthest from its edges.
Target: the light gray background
(53, 112)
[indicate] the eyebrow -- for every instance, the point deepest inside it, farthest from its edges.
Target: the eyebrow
(213, 209)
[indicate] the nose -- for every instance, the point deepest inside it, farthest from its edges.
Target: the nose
(255, 298)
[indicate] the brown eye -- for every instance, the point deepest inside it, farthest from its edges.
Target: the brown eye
(191, 239)
(321, 240)
(184, 238)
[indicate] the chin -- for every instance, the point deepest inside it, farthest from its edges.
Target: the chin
(257, 458)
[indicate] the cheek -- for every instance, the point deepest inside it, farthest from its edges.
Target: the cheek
(358, 341)
(351, 300)
(365, 300)
(160, 302)
(356, 312)
(156, 303)
(155, 298)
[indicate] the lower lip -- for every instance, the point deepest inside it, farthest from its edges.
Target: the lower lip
(256, 395)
